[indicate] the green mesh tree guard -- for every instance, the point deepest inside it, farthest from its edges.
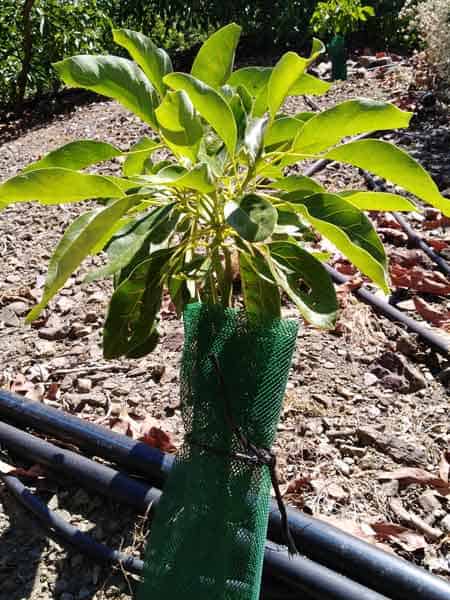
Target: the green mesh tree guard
(207, 538)
(338, 56)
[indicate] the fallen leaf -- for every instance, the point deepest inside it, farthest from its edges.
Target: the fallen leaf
(437, 244)
(408, 475)
(157, 438)
(418, 279)
(34, 472)
(296, 486)
(406, 538)
(431, 314)
(21, 385)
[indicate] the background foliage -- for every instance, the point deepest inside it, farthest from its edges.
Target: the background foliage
(62, 28)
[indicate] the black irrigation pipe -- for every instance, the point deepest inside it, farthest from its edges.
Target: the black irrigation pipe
(320, 541)
(413, 237)
(428, 334)
(297, 574)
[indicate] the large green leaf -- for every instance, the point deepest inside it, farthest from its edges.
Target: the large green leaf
(287, 70)
(56, 186)
(138, 156)
(298, 183)
(130, 327)
(76, 155)
(210, 104)
(281, 130)
(317, 48)
(388, 161)
(113, 77)
(125, 244)
(382, 201)
(253, 79)
(306, 282)
(308, 85)
(254, 136)
(214, 61)
(77, 242)
(254, 218)
(347, 228)
(261, 294)
(154, 61)
(199, 178)
(179, 122)
(348, 118)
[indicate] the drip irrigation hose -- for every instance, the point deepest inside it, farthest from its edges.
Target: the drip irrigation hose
(428, 334)
(99, 478)
(313, 579)
(346, 554)
(66, 534)
(413, 237)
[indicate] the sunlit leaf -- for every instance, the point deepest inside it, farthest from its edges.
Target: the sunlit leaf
(254, 218)
(113, 77)
(76, 155)
(382, 201)
(210, 104)
(348, 118)
(261, 294)
(388, 161)
(214, 61)
(155, 62)
(287, 70)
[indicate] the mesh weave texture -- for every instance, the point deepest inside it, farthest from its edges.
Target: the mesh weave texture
(207, 538)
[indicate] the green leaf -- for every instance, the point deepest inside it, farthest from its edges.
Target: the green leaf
(305, 281)
(254, 218)
(317, 48)
(253, 79)
(137, 157)
(254, 136)
(214, 61)
(347, 228)
(130, 327)
(388, 161)
(113, 77)
(287, 70)
(180, 124)
(199, 178)
(382, 201)
(125, 244)
(348, 118)
(261, 294)
(210, 104)
(76, 155)
(155, 62)
(56, 186)
(77, 242)
(298, 183)
(308, 85)
(281, 130)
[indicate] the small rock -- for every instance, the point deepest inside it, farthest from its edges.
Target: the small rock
(53, 333)
(79, 330)
(343, 467)
(19, 308)
(370, 379)
(373, 412)
(347, 450)
(90, 317)
(8, 317)
(444, 524)
(64, 305)
(84, 385)
(337, 492)
(429, 502)
(390, 488)
(395, 383)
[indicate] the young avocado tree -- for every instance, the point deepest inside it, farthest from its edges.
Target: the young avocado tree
(209, 192)
(334, 20)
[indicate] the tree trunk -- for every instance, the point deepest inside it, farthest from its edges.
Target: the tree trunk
(27, 47)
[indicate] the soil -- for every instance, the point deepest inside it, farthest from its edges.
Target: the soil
(346, 423)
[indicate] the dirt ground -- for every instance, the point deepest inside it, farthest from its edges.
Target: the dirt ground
(361, 402)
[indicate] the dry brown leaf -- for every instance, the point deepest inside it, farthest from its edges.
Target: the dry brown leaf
(431, 314)
(296, 486)
(34, 472)
(408, 475)
(416, 278)
(437, 244)
(406, 538)
(144, 429)
(157, 438)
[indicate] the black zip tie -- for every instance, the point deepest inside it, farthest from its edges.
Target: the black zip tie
(262, 456)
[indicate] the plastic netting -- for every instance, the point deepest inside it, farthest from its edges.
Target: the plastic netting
(207, 538)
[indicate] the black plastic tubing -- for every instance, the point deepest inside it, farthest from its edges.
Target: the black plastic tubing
(281, 573)
(346, 554)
